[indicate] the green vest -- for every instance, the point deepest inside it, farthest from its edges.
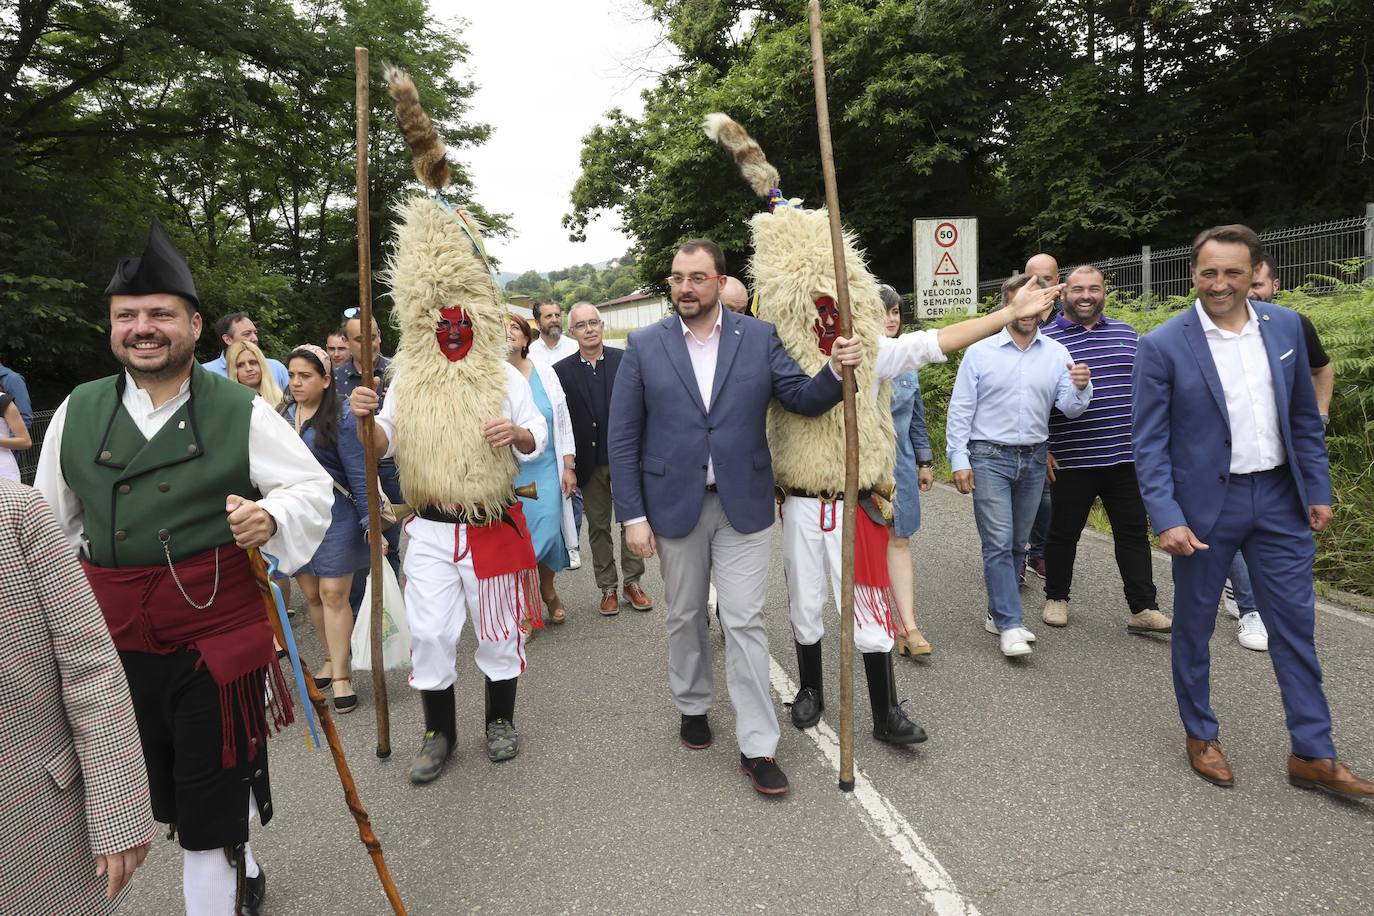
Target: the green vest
(138, 493)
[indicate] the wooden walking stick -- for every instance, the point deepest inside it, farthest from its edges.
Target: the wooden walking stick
(374, 505)
(331, 735)
(851, 421)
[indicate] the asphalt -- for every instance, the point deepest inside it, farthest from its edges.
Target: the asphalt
(1056, 784)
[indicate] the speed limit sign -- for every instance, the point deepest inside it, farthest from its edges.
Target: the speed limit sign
(946, 266)
(946, 234)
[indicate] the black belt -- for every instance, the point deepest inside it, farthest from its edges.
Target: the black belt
(449, 517)
(824, 497)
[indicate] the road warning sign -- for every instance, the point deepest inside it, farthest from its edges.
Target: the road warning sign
(945, 258)
(946, 267)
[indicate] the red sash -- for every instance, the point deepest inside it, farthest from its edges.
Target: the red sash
(146, 612)
(507, 576)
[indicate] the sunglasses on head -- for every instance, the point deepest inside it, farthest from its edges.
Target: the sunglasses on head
(353, 312)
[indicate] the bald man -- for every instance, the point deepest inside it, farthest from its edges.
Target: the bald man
(734, 296)
(1045, 267)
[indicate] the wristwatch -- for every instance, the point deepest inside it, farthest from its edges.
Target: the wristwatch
(925, 464)
(1326, 420)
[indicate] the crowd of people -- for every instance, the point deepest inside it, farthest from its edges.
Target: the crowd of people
(1210, 429)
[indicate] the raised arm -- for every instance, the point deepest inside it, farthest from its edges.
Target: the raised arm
(1030, 299)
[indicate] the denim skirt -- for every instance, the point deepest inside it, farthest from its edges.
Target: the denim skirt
(344, 548)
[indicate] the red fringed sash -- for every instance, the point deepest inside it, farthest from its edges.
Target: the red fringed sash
(507, 577)
(146, 612)
(872, 586)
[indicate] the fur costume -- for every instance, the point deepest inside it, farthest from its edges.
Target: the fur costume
(792, 266)
(438, 262)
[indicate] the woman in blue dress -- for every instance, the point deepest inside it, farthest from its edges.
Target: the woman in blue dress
(549, 517)
(314, 409)
(915, 475)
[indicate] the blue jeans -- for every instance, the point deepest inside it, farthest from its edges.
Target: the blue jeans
(1041, 529)
(1007, 483)
(1241, 589)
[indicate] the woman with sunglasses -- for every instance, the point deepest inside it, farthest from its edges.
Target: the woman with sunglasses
(314, 409)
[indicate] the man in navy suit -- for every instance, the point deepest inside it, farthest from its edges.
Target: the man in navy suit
(693, 479)
(1231, 455)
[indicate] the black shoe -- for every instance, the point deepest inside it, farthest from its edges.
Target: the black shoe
(764, 772)
(810, 699)
(254, 889)
(890, 721)
(429, 763)
(695, 732)
(322, 682)
(345, 705)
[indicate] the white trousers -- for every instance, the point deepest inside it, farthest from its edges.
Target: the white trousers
(441, 592)
(812, 532)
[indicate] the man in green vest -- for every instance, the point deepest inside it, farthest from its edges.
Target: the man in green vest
(162, 477)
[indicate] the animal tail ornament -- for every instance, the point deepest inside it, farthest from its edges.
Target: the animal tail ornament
(755, 167)
(426, 149)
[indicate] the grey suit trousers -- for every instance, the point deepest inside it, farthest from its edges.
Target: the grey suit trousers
(739, 564)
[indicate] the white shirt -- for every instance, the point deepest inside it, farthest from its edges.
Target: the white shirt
(296, 491)
(1243, 364)
(541, 354)
(520, 408)
(902, 354)
(703, 354)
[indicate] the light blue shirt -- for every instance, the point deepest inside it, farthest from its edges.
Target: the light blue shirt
(1003, 394)
(220, 367)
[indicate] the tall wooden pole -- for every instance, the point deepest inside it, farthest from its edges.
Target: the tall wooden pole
(374, 506)
(851, 420)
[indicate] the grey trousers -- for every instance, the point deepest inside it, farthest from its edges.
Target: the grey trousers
(739, 564)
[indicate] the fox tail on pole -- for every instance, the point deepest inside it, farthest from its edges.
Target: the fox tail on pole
(851, 422)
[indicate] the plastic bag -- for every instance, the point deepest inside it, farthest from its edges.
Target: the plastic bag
(395, 633)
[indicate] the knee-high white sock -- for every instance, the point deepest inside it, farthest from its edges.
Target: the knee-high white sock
(207, 882)
(250, 864)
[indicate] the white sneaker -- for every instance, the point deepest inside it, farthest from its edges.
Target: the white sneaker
(1228, 601)
(1014, 643)
(1251, 633)
(992, 628)
(574, 559)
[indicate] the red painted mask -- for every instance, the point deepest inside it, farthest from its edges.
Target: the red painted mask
(827, 323)
(454, 333)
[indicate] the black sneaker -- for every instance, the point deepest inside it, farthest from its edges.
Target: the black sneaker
(429, 763)
(764, 772)
(899, 729)
(695, 732)
(254, 889)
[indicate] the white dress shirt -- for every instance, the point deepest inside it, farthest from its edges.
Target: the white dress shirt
(541, 354)
(703, 355)
(902, 354)
(520, 409)
(1243, 365)
(296, 491)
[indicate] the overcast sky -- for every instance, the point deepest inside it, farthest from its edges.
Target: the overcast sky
(546, 71)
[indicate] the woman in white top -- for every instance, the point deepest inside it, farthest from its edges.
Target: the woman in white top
(14, 436)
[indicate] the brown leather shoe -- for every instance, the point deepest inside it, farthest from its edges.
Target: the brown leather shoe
(1210, 763)
(610, 603)
(1329, 776)
(637, 598)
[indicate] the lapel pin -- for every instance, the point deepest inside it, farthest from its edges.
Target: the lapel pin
(181, 425)
(1264, 317)
(736, 332)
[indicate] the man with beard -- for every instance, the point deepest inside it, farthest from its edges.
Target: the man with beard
(162, 477)
(1093, 458)
(551, 345)
(1229, 443)
(693, 479)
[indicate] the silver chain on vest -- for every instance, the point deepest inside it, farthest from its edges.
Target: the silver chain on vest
(166, 539)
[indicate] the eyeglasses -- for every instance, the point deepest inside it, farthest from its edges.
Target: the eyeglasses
(691, 279)
(584, 325)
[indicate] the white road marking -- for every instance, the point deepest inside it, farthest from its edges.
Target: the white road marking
(884, 818)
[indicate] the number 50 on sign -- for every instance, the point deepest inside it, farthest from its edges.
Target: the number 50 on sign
(945, 261)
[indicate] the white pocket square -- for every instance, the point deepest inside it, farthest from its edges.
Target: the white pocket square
(1286, 355)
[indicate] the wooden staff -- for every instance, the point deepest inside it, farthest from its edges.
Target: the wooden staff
(851, 424)
(374, 505)
(331, 735)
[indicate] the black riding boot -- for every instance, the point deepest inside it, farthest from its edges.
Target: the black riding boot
(441, 733)
(810, 699)
(503, 742)
(890, 722)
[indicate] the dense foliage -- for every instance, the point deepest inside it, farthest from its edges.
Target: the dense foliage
(1085, 127)
(1345, 321)
(235, 124)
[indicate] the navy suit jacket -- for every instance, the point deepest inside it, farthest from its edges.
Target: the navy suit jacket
(1181, 432)
(577, 389)
(662, 434)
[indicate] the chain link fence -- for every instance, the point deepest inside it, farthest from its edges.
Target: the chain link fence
(28, 458)
(1311, 256)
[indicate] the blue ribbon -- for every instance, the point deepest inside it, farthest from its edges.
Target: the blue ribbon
(291, 648)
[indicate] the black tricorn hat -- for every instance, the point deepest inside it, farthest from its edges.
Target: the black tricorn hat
(161, 269)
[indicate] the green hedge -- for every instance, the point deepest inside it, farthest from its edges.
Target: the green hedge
(1345, 320)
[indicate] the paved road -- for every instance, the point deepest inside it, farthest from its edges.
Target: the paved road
(1053, 785)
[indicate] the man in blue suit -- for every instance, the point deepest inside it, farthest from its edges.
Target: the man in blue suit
(1230, 453)
(693, 479)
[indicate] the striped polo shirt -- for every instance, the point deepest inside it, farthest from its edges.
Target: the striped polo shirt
(1101, 436)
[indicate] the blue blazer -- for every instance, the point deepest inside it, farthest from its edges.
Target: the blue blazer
(1181, 432)
(662, 435)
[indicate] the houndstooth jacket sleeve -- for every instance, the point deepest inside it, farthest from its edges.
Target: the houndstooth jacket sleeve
(93, 689)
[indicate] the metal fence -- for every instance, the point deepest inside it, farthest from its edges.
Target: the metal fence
(28, 459)
(1308, 256)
